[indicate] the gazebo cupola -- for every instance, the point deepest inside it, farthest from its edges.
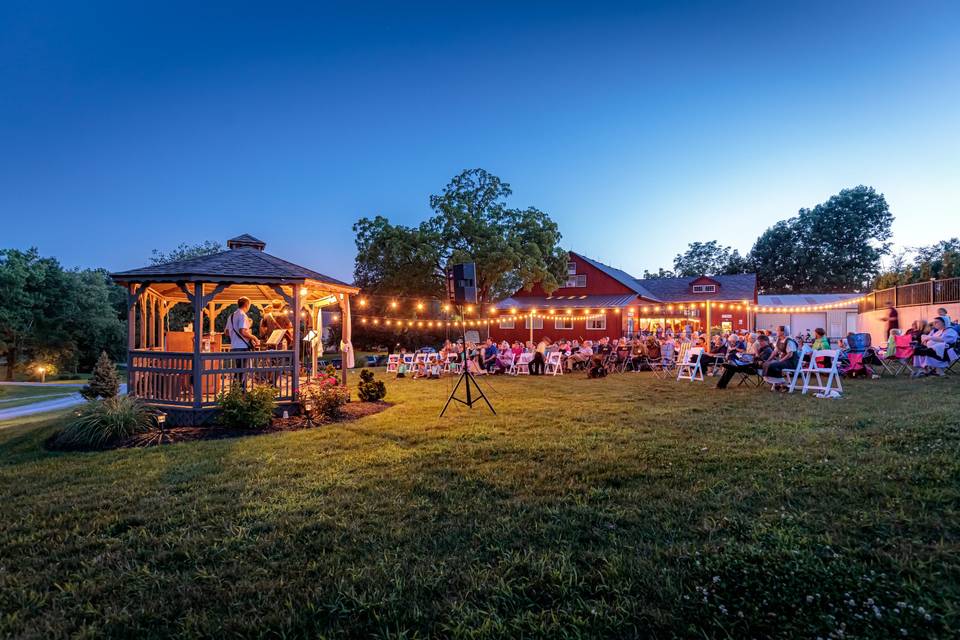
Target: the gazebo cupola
(246, 241)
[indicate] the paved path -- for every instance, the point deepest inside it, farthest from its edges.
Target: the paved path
(46, 385)
(55, 404)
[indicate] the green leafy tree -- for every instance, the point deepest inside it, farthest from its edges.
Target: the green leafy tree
(182, 314)
(104, 383)
(939, 260)
(660, 273)
(710, 259)
(186, 251)
(836, 246)
(512, 248)
(30, 305)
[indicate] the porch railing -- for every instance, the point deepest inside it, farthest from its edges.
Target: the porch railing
(911, 295)
(166, 378)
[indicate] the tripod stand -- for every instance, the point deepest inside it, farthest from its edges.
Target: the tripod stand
(466, 379)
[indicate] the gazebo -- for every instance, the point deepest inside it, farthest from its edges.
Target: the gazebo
(184, 371)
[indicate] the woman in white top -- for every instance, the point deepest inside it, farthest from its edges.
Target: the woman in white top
(938, 347)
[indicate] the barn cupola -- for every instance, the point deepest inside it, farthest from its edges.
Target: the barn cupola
(246, 241)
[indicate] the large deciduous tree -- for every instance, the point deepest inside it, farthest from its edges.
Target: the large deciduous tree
(939, 260)
(65, 318)
(836, 246)
(708, 258)
(512, 248)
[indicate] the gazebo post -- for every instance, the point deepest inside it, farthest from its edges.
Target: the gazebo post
(346, 331)
(297, 316)
(197, 337)
(131, 336)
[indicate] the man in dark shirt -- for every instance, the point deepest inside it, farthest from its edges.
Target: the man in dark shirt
(893, 320)
(739, 365)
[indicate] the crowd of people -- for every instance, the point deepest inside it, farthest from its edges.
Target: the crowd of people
(766, 354)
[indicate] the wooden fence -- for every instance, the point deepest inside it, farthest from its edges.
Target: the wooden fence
(911, 295)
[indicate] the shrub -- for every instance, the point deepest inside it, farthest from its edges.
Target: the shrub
(251, 409)
(104, 422)
(326, 395)
(104, 383)
(370, 390)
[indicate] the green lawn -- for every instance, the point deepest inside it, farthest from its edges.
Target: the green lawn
(625, 507)
(15, 396)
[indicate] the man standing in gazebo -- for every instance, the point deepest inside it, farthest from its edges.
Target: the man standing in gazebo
(241, 337)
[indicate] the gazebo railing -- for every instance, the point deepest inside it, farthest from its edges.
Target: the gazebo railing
(166, 378)
(221, 371)
(162, 377)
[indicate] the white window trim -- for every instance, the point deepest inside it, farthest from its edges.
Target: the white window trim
(571, 268)
(574, 281)
(560, 324)
(704, 288)
(507, 323)
(536, 321)
(603, 328)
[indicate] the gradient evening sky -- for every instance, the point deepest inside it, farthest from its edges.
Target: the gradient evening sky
(638, 126)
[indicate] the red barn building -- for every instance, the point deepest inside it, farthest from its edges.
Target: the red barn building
(598, 300)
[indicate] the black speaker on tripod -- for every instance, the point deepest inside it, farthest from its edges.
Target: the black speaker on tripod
(462, 283)
(461, 290)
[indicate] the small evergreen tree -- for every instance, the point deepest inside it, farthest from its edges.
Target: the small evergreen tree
(105, 383)
(370, 390)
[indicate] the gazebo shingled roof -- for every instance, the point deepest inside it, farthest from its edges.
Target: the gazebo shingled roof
(243, 262)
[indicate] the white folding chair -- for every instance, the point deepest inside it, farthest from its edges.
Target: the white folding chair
(393, 361)
(794, 375)
(554, 366)
(814, 368)
(689, 367)
(510, 362)
(522, 365)
(452, 365)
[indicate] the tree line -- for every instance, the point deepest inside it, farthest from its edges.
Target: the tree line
(66, 317)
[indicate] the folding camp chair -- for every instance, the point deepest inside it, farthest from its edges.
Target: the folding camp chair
(667, 364)
(689, 367)
(752, 378)
(902, 359)
(822, 362)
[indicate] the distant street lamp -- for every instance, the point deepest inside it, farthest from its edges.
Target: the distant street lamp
(43, 374)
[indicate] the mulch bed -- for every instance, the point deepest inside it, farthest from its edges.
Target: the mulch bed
(350, 411)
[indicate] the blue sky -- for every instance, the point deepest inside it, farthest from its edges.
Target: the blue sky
(638, 126)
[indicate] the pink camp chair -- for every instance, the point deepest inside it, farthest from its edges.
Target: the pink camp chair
(902, 358)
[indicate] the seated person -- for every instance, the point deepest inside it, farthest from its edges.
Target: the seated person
(582, 355)
(505, 357)
(717, 354)
(820, 342)
(786, 355)
(275, 318)
(938, 348)
(746, 363)
(488, 357)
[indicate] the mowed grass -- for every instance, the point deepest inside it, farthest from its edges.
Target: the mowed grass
(624, 507)
(17, 396)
